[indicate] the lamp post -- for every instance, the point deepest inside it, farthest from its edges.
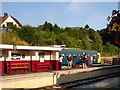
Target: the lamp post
(118, 51)
(14, 46)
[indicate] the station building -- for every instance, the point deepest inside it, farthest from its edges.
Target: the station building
(16, 58)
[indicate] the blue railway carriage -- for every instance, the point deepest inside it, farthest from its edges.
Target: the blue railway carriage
(76, 55)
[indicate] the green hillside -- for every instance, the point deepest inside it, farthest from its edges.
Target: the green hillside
(11, 38)
(73, 37)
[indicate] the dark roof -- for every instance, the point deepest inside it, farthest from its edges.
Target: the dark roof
(20, 25)
(3, 18)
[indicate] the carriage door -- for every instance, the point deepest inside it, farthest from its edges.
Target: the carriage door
(41, 57)
(94, 59)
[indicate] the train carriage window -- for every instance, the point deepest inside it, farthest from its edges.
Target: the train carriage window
(78, 55)
(62, 54)
(94, 56)
(66, 55)
(74, 55)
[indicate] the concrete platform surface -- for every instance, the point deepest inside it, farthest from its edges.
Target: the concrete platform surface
(46, 78)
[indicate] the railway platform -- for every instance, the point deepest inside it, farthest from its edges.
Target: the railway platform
(49, 78)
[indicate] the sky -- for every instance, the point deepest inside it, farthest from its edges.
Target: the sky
(64, 14)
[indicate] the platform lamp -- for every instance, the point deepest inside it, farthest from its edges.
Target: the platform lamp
(14, 46)
(63, 46)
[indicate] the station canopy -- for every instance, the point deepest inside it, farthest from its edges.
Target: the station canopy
(18, 47)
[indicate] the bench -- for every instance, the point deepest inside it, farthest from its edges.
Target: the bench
(43, 66)
(17, 66)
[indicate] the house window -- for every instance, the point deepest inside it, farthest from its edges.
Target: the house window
(9, 24)
(3, 25)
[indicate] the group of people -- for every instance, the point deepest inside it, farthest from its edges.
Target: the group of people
(86, 60)
(114, 21)
(69, 59)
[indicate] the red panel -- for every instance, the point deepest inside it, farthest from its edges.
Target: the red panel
(55, 64)
(47, 61)
(20, 61)
(1, 67)
(34, 65)
(36, 62)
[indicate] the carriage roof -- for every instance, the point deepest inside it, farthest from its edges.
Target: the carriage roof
(78, 51)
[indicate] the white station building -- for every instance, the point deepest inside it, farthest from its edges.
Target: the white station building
(15, 58)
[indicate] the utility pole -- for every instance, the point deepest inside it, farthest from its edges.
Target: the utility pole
(119, 45)
(28, 20)
(119, 5)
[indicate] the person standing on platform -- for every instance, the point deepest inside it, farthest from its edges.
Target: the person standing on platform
(89, 60)
(60, 61)
(69, 61)
(84, 60)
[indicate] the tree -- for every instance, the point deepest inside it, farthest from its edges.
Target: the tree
(87, 26)
(73, 37)
(27, 33)
(86, 43)
(56, 29)
(47, 26)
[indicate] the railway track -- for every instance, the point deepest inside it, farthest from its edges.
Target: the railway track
(78, 83)
(87, 81)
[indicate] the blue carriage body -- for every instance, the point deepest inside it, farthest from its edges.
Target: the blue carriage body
(75, 54)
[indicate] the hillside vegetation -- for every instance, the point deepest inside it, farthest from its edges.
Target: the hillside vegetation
(73, 37)
(11, 38)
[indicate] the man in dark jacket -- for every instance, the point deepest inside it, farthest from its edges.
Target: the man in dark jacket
(69, 61)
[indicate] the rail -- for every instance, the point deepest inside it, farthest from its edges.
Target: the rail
(78, 83)
(84, 78)
(87, 81)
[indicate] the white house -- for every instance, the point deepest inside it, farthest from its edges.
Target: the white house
(8, 20)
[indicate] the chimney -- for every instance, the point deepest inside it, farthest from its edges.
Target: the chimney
(5, 14)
